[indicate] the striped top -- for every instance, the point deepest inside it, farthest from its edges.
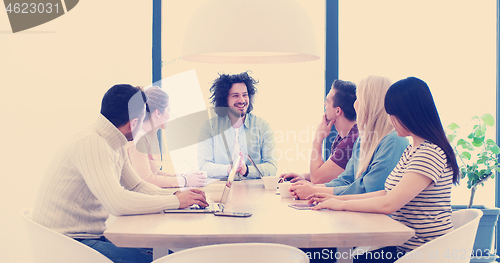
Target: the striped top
(429, 213)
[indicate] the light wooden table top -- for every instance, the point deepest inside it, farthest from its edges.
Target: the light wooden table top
(272, 221)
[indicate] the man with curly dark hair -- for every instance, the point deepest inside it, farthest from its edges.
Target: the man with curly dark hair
(243, 133)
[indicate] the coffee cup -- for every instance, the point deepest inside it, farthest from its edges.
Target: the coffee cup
(284, 190)
(270, 182)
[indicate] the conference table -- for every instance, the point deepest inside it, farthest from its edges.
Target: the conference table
(272, 221)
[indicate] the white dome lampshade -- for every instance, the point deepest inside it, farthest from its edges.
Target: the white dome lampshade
(250, 32)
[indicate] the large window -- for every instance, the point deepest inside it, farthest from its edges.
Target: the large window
(449, 44)
(290, 96)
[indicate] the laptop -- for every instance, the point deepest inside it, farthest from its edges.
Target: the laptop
(254, 165)
(212, 207)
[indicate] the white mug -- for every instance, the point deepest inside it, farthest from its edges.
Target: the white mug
(270, 182)
(284, 190)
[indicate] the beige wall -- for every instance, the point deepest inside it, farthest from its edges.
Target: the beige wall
(52, 79)
(54, 76)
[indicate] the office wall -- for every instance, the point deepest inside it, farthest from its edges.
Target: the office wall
(52, 79)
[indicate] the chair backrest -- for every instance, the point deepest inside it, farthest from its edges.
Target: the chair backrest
(238, 253)
(50, 246)
(455, 246)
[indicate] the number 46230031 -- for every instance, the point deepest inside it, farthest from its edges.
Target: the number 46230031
(32, 8)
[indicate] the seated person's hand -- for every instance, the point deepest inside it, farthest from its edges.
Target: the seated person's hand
(191, 197)
(292, 177)
(330, 203)
(242, 166)
(302, 189)
(195, 178)
(303, 182)
(239, 170)
(319, 197)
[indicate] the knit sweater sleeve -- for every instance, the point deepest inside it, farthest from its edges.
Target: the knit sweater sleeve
(102, 169)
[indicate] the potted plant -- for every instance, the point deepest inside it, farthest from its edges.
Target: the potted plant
(477, 158)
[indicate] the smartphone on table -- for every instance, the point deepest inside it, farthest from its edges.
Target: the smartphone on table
(302, 206)
(233, 214)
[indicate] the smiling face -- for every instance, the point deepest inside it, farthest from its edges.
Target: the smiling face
(238, 100)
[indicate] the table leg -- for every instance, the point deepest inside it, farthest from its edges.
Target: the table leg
(159, 252)
(345, 255)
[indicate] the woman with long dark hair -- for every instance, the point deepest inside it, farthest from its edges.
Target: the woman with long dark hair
(418, 191)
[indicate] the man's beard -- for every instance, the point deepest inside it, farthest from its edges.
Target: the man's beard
(238, 113)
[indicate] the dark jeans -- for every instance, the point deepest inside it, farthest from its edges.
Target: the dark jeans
(323, 255)
(119, 254)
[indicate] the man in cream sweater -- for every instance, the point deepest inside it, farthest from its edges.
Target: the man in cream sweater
(92, 177)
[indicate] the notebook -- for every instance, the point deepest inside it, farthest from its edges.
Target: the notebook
(212, 207)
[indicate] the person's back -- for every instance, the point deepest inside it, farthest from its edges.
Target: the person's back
(418, 191)
(92, 177)
(64, 198)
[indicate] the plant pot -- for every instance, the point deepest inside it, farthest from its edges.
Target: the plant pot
(485, 232)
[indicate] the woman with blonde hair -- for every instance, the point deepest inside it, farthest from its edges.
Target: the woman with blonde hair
(144, 151)
(418, 191)
(376, 151)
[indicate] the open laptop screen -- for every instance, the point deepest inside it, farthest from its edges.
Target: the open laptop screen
(230, 179)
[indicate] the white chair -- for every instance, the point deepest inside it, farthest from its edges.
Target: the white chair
(238, 253)
(50, 246)
(455, 246)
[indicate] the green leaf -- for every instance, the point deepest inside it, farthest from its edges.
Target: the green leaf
(495, 149)
(471, 135)
(451, 137)
(466, 155)
(497, 169)
(483, 129)
(468, 146)
(453, 126)
(478, 133)
(478, 141)
(488, 119)
(490, 142)
(475, 118)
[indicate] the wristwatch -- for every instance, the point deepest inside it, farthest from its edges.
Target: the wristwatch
(246, 174)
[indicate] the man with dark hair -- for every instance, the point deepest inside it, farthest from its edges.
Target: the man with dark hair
(92, 177)
(236, 131)
(339, 111)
